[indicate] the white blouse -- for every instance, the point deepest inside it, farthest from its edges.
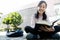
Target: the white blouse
(39, 21)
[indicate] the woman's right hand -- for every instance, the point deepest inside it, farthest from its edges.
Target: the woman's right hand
(49, 29)
(46, 29)
(42, 29)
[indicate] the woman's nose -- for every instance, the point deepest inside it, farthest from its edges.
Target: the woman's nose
(41, 8)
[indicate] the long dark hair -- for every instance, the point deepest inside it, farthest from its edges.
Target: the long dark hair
(44, 15)
(41, 3)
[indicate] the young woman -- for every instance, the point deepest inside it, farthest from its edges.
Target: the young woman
(38, 23)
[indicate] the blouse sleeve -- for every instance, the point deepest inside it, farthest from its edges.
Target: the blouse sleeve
(33, 21)
(49, 21)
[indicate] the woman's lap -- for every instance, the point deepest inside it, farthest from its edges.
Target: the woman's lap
(52, 35)
(28, 29)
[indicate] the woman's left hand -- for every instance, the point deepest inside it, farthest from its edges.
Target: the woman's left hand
(49, 29)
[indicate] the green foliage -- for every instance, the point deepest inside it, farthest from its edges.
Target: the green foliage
(14, 19)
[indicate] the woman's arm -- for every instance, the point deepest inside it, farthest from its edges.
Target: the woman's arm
(33, 21)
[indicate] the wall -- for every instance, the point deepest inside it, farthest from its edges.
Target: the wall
(28, 12)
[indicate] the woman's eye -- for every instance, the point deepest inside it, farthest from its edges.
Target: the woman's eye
(43, 7)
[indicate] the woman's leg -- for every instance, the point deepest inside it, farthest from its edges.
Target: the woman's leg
(28, 29)
(57, 28)
(33, 34)
(45, 35)
(56, 35)
(51, 34)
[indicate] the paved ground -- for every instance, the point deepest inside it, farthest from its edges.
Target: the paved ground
(4, 37)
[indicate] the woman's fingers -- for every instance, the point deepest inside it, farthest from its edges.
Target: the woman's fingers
(50, 30)
(43, 29)
(46, 29)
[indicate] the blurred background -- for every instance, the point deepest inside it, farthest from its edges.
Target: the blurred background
(27, 8)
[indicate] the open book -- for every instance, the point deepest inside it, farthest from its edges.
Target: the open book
(47, 23)
(44, 24)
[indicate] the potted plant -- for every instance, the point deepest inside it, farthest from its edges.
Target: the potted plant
(14, 19)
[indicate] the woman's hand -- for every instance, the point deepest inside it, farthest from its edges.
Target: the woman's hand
(49, 29)
(46, 29)
(42, 29)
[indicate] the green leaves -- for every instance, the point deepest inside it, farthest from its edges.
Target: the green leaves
(13, 18)
(7, 20)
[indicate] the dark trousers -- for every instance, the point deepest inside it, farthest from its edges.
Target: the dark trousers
(34, 31)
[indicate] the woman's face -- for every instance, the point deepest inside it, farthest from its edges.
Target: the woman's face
(42, 8)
